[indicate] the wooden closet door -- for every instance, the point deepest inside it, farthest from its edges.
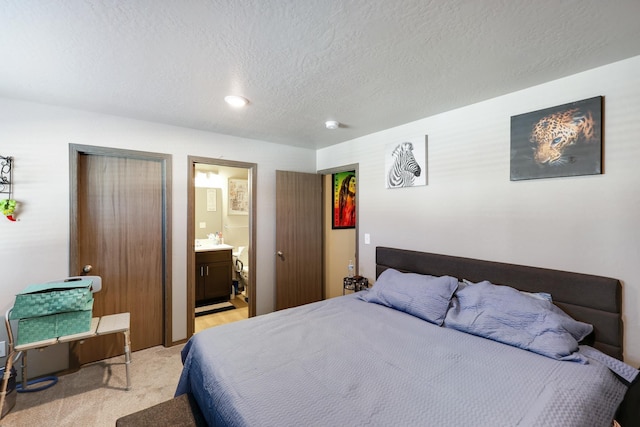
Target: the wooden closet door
(119, 233)
(299, 269)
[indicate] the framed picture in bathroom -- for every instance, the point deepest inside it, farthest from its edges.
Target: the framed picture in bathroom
(238, 197)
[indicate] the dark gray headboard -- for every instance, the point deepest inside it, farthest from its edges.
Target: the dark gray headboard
(590, 299)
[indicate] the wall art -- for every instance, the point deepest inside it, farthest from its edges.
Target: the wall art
(212, 200)
(406, 163)
(559, 141)
(238, 197)
(344, 200)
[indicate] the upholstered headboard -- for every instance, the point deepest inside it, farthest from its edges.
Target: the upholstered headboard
(590, 299)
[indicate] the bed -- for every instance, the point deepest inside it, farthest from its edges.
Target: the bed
(377, 358)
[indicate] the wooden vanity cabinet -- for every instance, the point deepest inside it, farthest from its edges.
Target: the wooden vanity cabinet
(213, 276)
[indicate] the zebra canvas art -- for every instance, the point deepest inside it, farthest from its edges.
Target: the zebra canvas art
(405, 163)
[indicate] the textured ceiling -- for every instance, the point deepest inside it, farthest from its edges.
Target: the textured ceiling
(370, 64)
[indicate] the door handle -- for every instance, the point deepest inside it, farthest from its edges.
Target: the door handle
(87, 269)
(280, 254)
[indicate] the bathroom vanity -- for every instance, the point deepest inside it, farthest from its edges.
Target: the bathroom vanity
(214, 267)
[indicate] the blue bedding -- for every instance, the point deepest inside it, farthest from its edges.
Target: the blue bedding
(345, 361)
(504, 314)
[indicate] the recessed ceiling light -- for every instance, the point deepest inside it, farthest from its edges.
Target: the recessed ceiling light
(332, 124)
(236, 101)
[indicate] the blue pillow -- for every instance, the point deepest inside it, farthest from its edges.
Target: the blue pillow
(504, 314)
(422, 296)
(539, 295)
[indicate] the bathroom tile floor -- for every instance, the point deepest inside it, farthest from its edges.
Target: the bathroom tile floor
(216, 319)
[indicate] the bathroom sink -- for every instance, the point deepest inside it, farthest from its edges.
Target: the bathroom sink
(210, 245)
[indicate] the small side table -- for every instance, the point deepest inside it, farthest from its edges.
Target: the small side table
(355, 283)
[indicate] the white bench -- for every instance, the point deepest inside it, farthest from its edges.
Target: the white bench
(104, 325)
(110, 324)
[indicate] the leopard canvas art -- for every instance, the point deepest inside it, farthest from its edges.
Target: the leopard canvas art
(559, 141)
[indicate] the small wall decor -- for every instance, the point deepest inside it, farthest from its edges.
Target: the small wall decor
(565, 140)
(212, 200)
(344, 200)
(406, 163)
(8, 205)
(5, 174)
(238, 197)
(8, 208)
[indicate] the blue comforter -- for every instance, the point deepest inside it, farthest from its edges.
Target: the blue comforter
(344, 362)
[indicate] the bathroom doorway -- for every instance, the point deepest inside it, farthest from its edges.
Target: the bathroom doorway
(220, 242)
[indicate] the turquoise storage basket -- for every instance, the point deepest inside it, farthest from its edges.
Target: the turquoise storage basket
(51, 298)
(33, 329)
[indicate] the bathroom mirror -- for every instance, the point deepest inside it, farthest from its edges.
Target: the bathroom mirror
(208, 211)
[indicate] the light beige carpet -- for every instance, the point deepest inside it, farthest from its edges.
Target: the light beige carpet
(96, 395)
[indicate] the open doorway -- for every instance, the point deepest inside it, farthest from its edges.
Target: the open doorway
(340, 242)
(220, 242)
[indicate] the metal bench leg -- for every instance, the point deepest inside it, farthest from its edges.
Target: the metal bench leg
(127, 357)
(23, 365)
(5, 379)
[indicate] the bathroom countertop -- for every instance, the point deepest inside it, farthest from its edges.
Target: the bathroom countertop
(212, 247)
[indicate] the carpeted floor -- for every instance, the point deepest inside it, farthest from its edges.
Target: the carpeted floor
(96, 395)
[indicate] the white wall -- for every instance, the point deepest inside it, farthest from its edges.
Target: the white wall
(35, 248)
(470, 208)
